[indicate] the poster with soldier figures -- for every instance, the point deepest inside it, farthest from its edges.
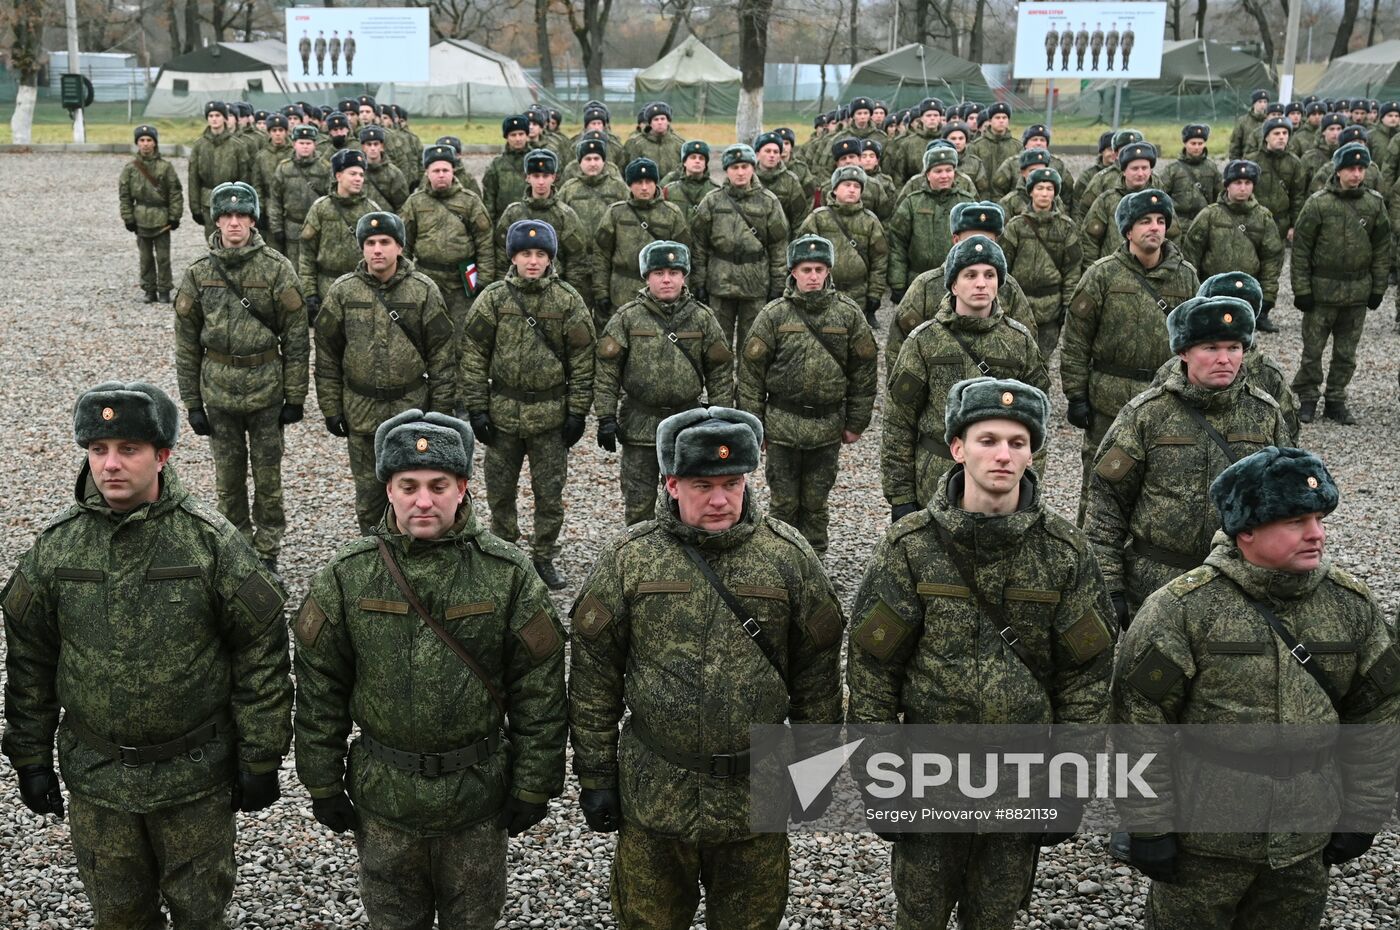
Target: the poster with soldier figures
(357, 46)
(1114, 41)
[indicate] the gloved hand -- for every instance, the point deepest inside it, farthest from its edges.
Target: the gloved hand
(701, 293)
(603, 307)
(254, 792)
(607, 433)
(1079, 414)
(291, 413)
(1063, 827)
(313, 309)
(174, 225)
(1304, 302)
(573, 429)
(871, 305)
(1265, 306)
(1374, 301)
(482, 428)
(1344, 847)
(900, 511)
(198, 218)
(602, 809)
(897, 294)
(1120, 608)
(336, 813)
(38, 789)
(774, 293)
(1154, 856)
(199, 422)
(337, 426)
(131, 226)
(518, 816)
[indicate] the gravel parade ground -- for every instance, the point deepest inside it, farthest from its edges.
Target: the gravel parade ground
(72, 315)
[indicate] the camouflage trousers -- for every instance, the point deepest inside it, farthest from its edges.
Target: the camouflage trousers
(1344, 326)
(656, 881)
(405, 879)
(1088, 450)
(735, 312)
(155, 263)
(549, 464)
(800, 482)
(236, 441)
(1211, 893)
(641, 475)
(987, 875)
(130, 862)
(370, 497)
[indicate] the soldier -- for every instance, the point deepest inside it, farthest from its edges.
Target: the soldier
(329, 243)
(870, 154)
(277, 150)
(1111, 43)
(652, 634)
(1081, 45)
(385, 184)
(1213, 647)
(876, 198)
(527, 360)
(504, 181)
(1238, 234)
(1304, 136)
(1111, 176)
(1095, 46)
(1108, 157)
(1010, 624)
(574, 259)
(799, 167)
(775, 176)
(996, 142)
(659, 142)
(1101, 235)
(216, 156)
(1282, 185)
(861, 261)
(1341, 260)
(1319, 157)
(921, 231)
(863, 125)
(152, 202)
(1008, 176)
(304, 50)
(969, 335)
(440, 771)
(653, 374)
(687, 187)
(1052, 41)
(1148, 514)
(740, 246)
(320, 53)
(1192, 181)
(1066, 46)
(459, 170)
(1043, 254)
(448, 232)
(624, 229)
(337, 137)
(1115, 336)
(297, 183)
(144, 619)
(1323, 172)
(1128, 41)
(903, 158)
(1018, 200)
(808, 372)
(384, 344)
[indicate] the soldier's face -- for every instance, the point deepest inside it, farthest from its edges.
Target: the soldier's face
(595, 125)
(1037, 142)
(1239, 191)
(851, 159)
(516, 139)
(932, 119)
(1259, 107)
(540, 185)
(304, 148)
(974, 289)
(1277, 139)
(848, 192)
(645, 189)
(535, 129)
(278, 135)
(1148, 232)
(215, 119)
(367, 116)
(1136, 174)
(235, 229)
(665, 284)
(440, 175)
(127, 472)
(878, 115)
(1351, 177)
(994, 455)
(869, 161)
(1359, 116)
(861, 118)
(959, 140)
(382, 255)
(1292, 545)
(999, 122)
(770, 155)
(1331, 133)
(146, 145)
(740, 173)
(1391, 119)
(1043, 195)
(1194, 147)
(810, 277)
(1314, 119)
(425, 501)
(350, 181)
(374, 151)
(697, 166)
(1213, 364)
(531, 263)
(940, 177)
(711, 504)
(659, 125)
(592, 165)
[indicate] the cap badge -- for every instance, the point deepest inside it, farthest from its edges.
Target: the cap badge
(422, 444)
(1312, 482)
(1154, 199)
(108, 413)
(977, 247)
(374, 222)
(1006, 398)
(982, 216)
(1239, 284)
(723, 452)
(670, 256)
(233, 199)
(532, 233)
(1227, 318)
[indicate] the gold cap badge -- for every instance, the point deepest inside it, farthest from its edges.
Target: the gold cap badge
(108, 413)
(532, 233)
(374, 222)
(1228, 318)
(422, 444)
(1006, 399)
(723, 452)
(1312, 482)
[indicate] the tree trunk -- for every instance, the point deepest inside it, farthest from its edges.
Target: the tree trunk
(217, 13)
(1200, 18)
(28, 31)
(679, 18)
(1174, 21)
(753, 52)
(1341, 45)
(172, 23)
(1371, 33)
(590, 26)
(248, 21)
(978, 32)
(855, 38)
(192, 36)
(1266, 33)
(542, 43)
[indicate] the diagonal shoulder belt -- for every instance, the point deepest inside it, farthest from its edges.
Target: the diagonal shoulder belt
(750, 626)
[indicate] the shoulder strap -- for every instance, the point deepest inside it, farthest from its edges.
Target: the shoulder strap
(840, 361)
(646, 227)
(966, 346)
(1211, 431)
(1295, 648)
(670, 327)
(398, 320)
(232, 284)
(145, 173)
(1148, 286)
(836, 218)
(746, 621)
(534, 325)
(440, 631)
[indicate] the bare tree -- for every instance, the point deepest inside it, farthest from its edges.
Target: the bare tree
(1255, 8)
(192, 27)
(27, 26)
(1174, 17)
(588, 19)
(835, 14)
(1371, 33)
(1200, 18)
(753, 53)
(680, 16)
(852, 21)
(172, 23)
(978, 38)
(1342, 44)
(542, 43)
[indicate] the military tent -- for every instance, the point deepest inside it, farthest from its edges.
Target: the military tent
(695, 81)
(464, 79)
(1370, 72)
(908, 74)
(1200, 80)
(252, 71)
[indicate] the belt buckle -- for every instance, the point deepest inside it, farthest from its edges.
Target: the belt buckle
(394, 315)
(135, 752)
(722, 765)
(1163, 305)
(1301, 653)
(1008, 635)
(751, 627)
(430, 764)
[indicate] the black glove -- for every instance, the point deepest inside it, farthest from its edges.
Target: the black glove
(291, 413)
(518, 816)
(174, 225)
(38, 789)
(573, 429)
(1304, 302)
(1374, 301)
(482, 428)
(871, 305)
(1154, 856)
(1063, 827)
(313, 309)
(897, 294)
(254, 792)
(198, 218)
(336, 813)
(775, 293)
(1342, 847)
(900, 511)
(701, 293)
(1120, 608)
(1265, 306)
(199, 422)
(603, 307)
(602, 809)
(131, 226)
(337, 426)
(607, 433)
(1079, 414)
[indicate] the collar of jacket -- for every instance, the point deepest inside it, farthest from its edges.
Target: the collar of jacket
(1198, 160)
(1171, 257)
(404, 268)
(513, 154)
(151, 158)
(1241, 209)
(639, 204)
(740, 193)
(89, 498)
(351, 201)
(989, 536)
(848, 209)
(541, 203)
(309, 161)
(765, 174)
(1334, 186)
(462, 531)
(926, 188)
(810, 302)
(1263, 584)
(447, 192)
(668, 516)
(530, 285)
(952, 319)
(667, 311)
(232, 258)
(593, 180)
(217, 138)
(1209, 400)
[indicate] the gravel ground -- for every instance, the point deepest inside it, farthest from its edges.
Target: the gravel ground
(73, 316)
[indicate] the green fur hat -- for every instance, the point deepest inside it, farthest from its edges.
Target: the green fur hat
(434, 153)
(695, 147)
(810, 248)
(126, 410)
(1138, 204)
(1272, 484)
(977, 399)
(1044, 174)
(1030, 157)
(641, 169)
(850, 173)
(541, 161)
(591, 147)
(708, 441)
(974, 250)
(1352, 155)
(939, 155)
(736, 153)
(663, 253)
(1137, 151)
(233, 197)
(1234, 284)
(379, 224)
(1126, 137)
(414, 439)
(977, 216)
(1210, 319)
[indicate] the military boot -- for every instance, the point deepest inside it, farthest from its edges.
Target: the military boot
(1264, 324)
(549, 574)
(150, 297)
(1337, 411)
(165, 297)
(1307, 411)
(270, 563)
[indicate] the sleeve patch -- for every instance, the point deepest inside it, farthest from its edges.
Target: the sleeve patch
(608, 347)
(865, 349)
(18, 597)
(579, 336)
(439, 329)
(184, 304)
(825, 625)
(479, 328)
(260, 597)
(1115, 465)
(756, 348)
(310, 619)
(1155, 674)
(291, 299)
(719, 353)
(591, 617)
(908, 388)
(881, 631)
(1385, 672)
(540, 637)
(1087, 637)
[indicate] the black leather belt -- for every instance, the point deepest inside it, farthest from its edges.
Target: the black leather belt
(1167, 556)
(243, 361)
(719, 765)
(450, 270)
(391, 393)
(663, 412)
(432, 764)
(132, 756)
(935, 445)
(811, 411)
(1120, 371)
(1272, 764)
(529, 397)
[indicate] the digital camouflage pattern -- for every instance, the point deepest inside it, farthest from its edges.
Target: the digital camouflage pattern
(1099, 235)
(265, 164)
(920, 233)
(1045, 259)
(787, 187)
(152, 203)
(504, 182)
(385, 184)
(665, 150)
(1193, 184)
(903, 158)
(1236, 237)
(329, 247)
(573, 260)
(877, 195)
(1018, 201)
(685, 192)
(739, 248)
(1282, 187)
(987, 875)
(1110, 178)
(1007, 178)
(296, 184)
(962, 183)
(624, 229)
(445, 231)
(992, 148)
(927, 293)
(215, 159)
(1247, 136)
(862, 251)
(407, 880)
(1323, 172)
(1255, 894)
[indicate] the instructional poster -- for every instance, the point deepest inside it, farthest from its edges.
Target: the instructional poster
(357, 46)
(1093, 41)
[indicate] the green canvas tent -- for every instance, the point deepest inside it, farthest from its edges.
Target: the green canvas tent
(905, 76)
(1372, 72)
(695, 81)
(1200, 80)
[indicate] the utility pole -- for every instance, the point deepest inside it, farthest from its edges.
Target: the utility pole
(74, 66)
(1290, 51)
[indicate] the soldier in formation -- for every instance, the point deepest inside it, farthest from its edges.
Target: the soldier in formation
(329, 247)
(296, 183)
(1192, 181)
(574, 259)
(689, 185)
(862, 250)
(624, 228)
(152, 202)
(216, 157)
(1043, 254)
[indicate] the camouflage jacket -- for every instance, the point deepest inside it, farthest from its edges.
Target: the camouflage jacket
(1318, 158)
(808, 369)
(962, 183)
(573, 260)
(1043, 256)
(1282, 187)
(1007, 178)
(591, 196)
(504, 182)
(654, 376)
(786, 186)
(1263, 372)
(364, 658)
(1149, 513)
(625, 228)
(904, 157)
(214, 160)
(1246, 136)
(1081, 203)
(921, 233)
(369, 366)
(1193, 184)
(149, 195)
(928, 293)
(1115, 336)
(992, 149)
(686, 192)
(650, 635)
(664, 150)
(142, 627)
(922, 650)
(446, 229)
(862, 251)
(740, 243)
(1341, 247)
(876, 195)
(1323, 173)
(329, 246)
(297, 183)
(1110, 178)
(528, 377)
(1199, 653)
(1100, 236)
(1236, 237)
(265, 164)
(1017, 201)
(912, 451)
(386, 185)
(234, 359)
